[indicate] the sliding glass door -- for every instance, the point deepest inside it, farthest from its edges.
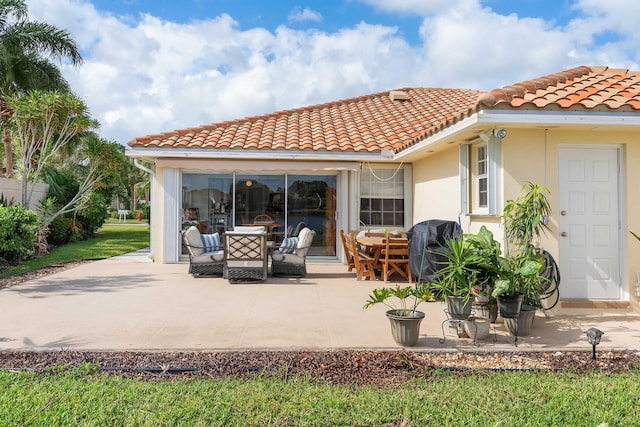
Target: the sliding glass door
(218, 202)
(312, 199)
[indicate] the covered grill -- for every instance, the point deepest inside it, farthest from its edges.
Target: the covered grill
(427, 245)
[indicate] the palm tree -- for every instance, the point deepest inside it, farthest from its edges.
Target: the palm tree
(25, 49)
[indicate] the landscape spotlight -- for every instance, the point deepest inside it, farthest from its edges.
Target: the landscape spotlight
(594, 335)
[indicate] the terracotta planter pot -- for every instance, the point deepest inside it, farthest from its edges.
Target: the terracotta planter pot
(405, 330)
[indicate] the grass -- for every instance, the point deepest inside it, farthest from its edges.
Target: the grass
(111, 240)
(81, 396)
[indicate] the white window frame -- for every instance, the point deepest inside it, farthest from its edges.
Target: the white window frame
(469, 178)
(478, 177)
(405, 170)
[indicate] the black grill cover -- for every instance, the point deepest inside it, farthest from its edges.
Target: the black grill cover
(427, 243)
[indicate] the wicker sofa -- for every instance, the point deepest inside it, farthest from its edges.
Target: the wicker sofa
(204, 259)
(291, 260)
(245, 254)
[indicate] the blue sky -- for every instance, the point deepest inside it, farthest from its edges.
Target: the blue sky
(156, 65)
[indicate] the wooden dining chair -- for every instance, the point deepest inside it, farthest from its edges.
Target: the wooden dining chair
(262, 218)
(347, 250)
(395, 259)
(370, 233)
(364, 264)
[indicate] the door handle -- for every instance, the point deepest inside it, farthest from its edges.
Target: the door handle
(564, 234)
(563, 213)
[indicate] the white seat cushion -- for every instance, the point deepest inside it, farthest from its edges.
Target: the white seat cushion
(305, 238)
(194, 241)
(249, 229)
(206, 257)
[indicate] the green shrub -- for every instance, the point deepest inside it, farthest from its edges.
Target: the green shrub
(62, 230)
(18, 227)
(92, 216)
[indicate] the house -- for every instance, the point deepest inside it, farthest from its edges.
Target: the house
(393, 159)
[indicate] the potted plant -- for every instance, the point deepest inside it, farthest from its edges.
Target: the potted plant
(403, 315)
(457, 277)
(519, 279)
(488, 255)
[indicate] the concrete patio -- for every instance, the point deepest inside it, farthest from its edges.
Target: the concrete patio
(130, 303)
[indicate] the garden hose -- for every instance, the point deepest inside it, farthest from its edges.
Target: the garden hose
(552, 274)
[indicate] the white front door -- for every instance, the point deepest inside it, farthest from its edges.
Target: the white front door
(589, 223)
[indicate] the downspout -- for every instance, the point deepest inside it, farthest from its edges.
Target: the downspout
(143, 168)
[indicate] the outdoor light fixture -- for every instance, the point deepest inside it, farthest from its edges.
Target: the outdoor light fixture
(500, 133)
(594, 335)
(248, 183)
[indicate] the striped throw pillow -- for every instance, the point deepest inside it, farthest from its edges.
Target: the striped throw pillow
(211, 242)
(288, 245)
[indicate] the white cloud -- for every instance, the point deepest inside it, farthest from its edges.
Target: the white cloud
(144, 75)
(298, 15)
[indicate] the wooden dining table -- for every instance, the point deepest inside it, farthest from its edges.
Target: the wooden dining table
(373, 246)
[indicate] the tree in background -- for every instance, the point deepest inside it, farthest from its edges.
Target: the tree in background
(26, 48)
(44, 125)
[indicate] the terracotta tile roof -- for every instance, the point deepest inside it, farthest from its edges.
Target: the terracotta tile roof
(377, 122)
(580, 88)
(364, 124)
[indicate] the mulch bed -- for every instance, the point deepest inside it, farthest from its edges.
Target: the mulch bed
(337, 367)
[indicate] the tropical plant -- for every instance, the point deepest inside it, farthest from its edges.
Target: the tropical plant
(402, 300)
(44, 122)
(521, 274)
(26, 50)
(459, 272)
(488, 253)
(526, 217)
(525, 220)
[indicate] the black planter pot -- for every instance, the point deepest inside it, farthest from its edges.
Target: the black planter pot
(405, 329)
(509, 305)
(458, 308)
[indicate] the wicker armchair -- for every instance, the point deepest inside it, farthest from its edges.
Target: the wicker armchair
(245, 254)
(203, 260)
(292, 261)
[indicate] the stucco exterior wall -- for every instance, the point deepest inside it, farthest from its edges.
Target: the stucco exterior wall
(532, 155)
(436, 190)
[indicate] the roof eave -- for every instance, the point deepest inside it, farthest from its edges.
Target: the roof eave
(558, 118)
(272, 155)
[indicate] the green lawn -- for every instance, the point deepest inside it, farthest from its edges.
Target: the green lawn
(83, 397)
(111, 240)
